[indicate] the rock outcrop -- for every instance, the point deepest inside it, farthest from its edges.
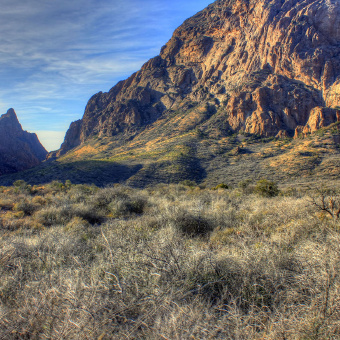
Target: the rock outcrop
(266, 67)
(19, 149)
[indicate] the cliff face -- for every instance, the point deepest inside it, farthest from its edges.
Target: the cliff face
(268, 67)
(19, 150)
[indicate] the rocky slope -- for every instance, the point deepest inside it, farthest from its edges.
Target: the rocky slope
(267, 67)
(19, 149)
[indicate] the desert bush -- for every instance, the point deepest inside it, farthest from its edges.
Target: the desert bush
(266, 188)
(189, 223)
(125, 205)
(246, 186)
(68, 184)
(77, 223)
(118, 202)
(39, 200)
(6, 203)
(81, 192)
(52, 215)
(88, 213)
(62, 215)
(26, 206)
(20, 186)
(221, 186)
(56, 186)
(104, 197)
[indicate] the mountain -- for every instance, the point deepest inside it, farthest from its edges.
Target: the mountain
(265, 67)
(19, 149)
(221, 102)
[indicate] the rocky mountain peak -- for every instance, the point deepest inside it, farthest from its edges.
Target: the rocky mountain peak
(9, 122)
(11, 115)
(265, 67)
(19, 149)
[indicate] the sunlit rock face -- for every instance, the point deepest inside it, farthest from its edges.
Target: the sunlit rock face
(19, 149)
(266, 66)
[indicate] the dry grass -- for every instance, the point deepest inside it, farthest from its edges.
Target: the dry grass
(172, 262)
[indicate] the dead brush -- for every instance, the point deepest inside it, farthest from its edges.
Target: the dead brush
(326, 201)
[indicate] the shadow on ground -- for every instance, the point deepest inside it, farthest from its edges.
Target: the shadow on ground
(100, 173)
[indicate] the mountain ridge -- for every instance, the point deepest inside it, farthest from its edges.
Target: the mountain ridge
(19, 149)
(273, 63)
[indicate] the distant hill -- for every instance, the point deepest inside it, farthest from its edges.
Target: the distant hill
(19, 149)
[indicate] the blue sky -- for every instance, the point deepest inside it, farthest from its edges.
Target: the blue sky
(54, 55)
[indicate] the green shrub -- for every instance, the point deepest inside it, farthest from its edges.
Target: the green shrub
(22, 187)
(221, 186)
(266, 188)
(56, 186)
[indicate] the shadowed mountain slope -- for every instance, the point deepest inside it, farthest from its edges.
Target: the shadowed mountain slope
(19, 149)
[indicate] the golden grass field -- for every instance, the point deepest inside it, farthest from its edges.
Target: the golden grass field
(169, 262)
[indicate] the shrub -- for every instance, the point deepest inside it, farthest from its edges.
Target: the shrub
(154, 276)
(39, 200)
(191, 225)
(6, 204)
(56, 186)
(54, 215)
(68, 184)
(188, 183)
(104, 197)
(221, 186)
(76, 224)
(88, 213)
(81, 192)
(22, 187)
(266, 188)
(19, 183)
(125, 205)
(246, 186)
(27, 207)
(244, 183)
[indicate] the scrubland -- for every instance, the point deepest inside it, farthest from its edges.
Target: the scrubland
(168, 262)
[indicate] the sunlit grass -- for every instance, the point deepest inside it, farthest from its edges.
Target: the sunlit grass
(168, 262)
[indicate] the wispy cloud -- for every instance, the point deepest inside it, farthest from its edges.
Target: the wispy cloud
(55, 54)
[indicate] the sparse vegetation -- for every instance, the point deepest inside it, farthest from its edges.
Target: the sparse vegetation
(169, 262)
